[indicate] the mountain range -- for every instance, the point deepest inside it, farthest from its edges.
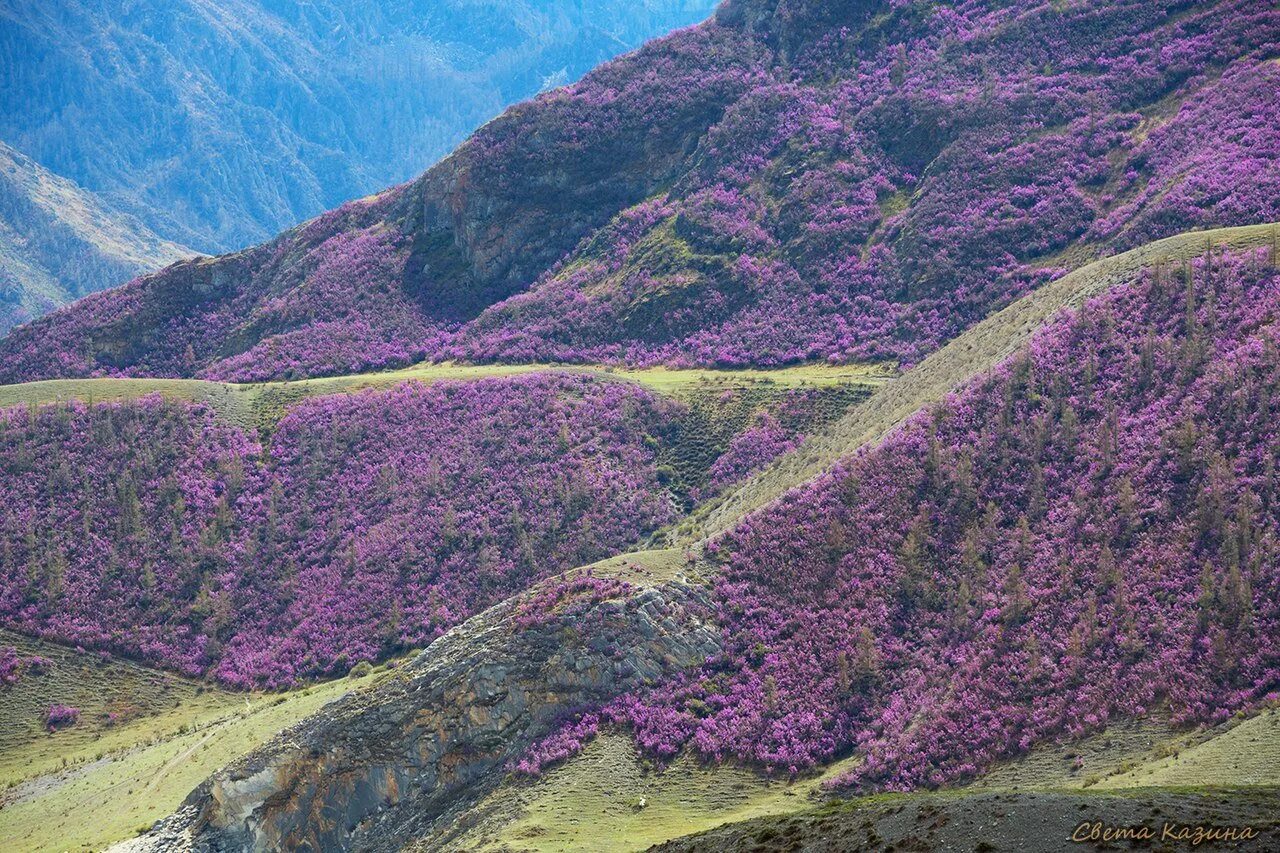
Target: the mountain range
(58, 242)
(215, 125)
(831, 425)
(791, 206)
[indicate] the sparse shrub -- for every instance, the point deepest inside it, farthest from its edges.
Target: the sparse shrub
(60, 717)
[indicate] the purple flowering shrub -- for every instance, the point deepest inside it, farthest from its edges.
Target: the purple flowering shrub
(113, 520)
(1182, 176)
(61, 717)
(390, 517)
(566, 741)
(752, 449)
(566, 599)
(810, 228)
(371, 523)
(839, 182)
(10, 666)
(13, 667)
(1088, 533)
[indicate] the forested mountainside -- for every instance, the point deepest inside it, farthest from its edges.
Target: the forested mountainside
(827, 181)
(220, 124)
(1083, 536)
(353, 526)
(58, 242)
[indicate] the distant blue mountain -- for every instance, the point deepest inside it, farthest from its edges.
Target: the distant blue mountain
(217, 123)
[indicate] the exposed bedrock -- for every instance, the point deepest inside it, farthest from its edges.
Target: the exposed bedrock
(381, 766)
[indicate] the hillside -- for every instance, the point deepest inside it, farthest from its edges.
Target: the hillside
(142, 740)
(835, 425)
(941, 681)
(264, 535)
(791, 205)
(1085, 534)
(220, 124)
(58, 242)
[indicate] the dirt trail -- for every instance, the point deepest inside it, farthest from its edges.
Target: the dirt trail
(178, 759)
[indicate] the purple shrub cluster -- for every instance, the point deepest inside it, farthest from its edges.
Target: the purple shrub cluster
(568, 740)
(13, 666)
(325, 298)
(1088, 533)
(10, 666)
(423, 505)
(371, 523)
(876, 216)
(838, 182)
(565, 599)
(752, 449)
(61, 717)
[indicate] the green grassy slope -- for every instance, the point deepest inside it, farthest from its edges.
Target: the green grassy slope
(95, 783)
(608, 798)
(261, 404)
(1247, 752)
(995, 822)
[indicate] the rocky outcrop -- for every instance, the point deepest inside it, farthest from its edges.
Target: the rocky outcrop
(380, 767)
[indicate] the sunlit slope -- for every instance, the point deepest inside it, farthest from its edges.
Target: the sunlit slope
(104, 779)
(256, 404)
(978, 349)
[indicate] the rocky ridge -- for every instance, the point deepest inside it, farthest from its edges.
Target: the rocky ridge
(385, 765)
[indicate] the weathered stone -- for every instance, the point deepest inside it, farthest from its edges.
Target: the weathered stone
(380, 767)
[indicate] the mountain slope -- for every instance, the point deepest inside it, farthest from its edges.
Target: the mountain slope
(840, 632)
(792, 204)
(219, 124)
(58, 242)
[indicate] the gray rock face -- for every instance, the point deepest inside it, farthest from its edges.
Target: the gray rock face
(379, 768)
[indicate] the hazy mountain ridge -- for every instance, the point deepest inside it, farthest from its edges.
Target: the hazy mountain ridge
(58, 242)
(219, 124)
(792, 205)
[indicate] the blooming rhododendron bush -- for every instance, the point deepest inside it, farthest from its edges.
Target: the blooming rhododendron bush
(369, 523)
(1090, 532)
(392, 517)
